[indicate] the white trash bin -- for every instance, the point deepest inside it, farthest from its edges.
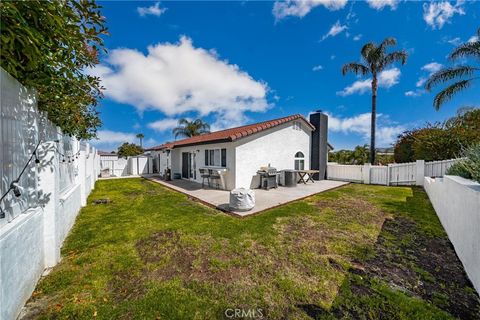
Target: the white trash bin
(242, 199)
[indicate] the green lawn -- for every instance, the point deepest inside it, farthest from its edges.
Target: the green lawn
(354, 252)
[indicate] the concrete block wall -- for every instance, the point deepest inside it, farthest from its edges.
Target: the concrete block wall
(457, 203)
(37, 223)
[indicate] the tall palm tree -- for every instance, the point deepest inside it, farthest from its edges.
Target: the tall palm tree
(188, 129)
(463, 74)
(140, 136)
(375, 59)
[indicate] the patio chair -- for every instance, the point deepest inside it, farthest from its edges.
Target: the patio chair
(215, 176)
(204, 174)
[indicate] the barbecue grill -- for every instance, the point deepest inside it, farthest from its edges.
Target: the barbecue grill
(268, 177)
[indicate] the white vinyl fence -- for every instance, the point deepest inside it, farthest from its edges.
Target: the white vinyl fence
(121, 167)
(398, 174)
(35, 224)
(343, 172)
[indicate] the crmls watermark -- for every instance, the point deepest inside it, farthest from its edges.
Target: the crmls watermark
(243, 313)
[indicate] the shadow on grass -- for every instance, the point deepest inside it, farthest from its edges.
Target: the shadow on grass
(414, 272)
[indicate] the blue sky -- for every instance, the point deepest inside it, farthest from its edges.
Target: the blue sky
(233, 63)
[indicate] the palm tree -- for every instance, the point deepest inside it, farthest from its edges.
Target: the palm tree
(140, 136)
(188, 129)
(375, 59)
(463, 74)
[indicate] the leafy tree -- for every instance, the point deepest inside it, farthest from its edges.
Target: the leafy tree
(462, 74)
(357, 156)
(403, 149)
(140, 136)
(440, 141)
(434, 143)
(188, 129)
(129, 149)
(375, 59)
(48, 45)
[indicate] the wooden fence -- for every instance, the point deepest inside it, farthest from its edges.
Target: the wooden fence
(411, 173)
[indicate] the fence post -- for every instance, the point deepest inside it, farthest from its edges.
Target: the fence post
(388, 173)
(82, 174)
(49, 191)
(420, 172)
(366, 173)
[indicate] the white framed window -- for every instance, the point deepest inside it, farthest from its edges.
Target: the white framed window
(216, 157)
(297, 125)
(299, 161)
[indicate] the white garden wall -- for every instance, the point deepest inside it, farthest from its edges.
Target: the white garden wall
(53, 191)
(457, 203)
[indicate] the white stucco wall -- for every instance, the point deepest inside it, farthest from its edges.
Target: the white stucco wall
(199, 150)
(160, 158)
(37, 222)
(21, 261)
(276, 146)
(68, 208)
(457, 203)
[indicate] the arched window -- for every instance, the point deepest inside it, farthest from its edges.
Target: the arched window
(299, 161)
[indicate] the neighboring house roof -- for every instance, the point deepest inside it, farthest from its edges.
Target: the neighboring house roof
(389, 150)
(232, 134)
(166, 145)
(105, 153)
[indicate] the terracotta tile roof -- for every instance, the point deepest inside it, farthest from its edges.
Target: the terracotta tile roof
(231, 134)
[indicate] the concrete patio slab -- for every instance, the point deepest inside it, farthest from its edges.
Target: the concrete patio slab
(265, 199)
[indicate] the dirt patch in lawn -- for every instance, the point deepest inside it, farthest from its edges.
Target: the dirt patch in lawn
(169, 255)
(178, 256)
(422, 266)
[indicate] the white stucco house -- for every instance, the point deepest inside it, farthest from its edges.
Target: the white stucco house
(290, 142)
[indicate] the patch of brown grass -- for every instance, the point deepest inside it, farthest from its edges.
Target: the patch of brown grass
(305, 264)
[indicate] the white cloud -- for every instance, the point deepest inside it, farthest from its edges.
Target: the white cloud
(107, 136)
(357, 37)
(317, 68)
(455, 41)
(436, 14)
(300, 8)
(163, 125)
(359, 86)
(432, 67)
(421, 81)
(110, 140)
(415, 93)
(473, 39)
(386, 79)
(153, 10)
(335, 29)
(385, 134)
(380, 4)
(178, 78)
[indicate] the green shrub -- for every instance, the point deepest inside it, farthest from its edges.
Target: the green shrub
(468, 168)
(459, 169)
